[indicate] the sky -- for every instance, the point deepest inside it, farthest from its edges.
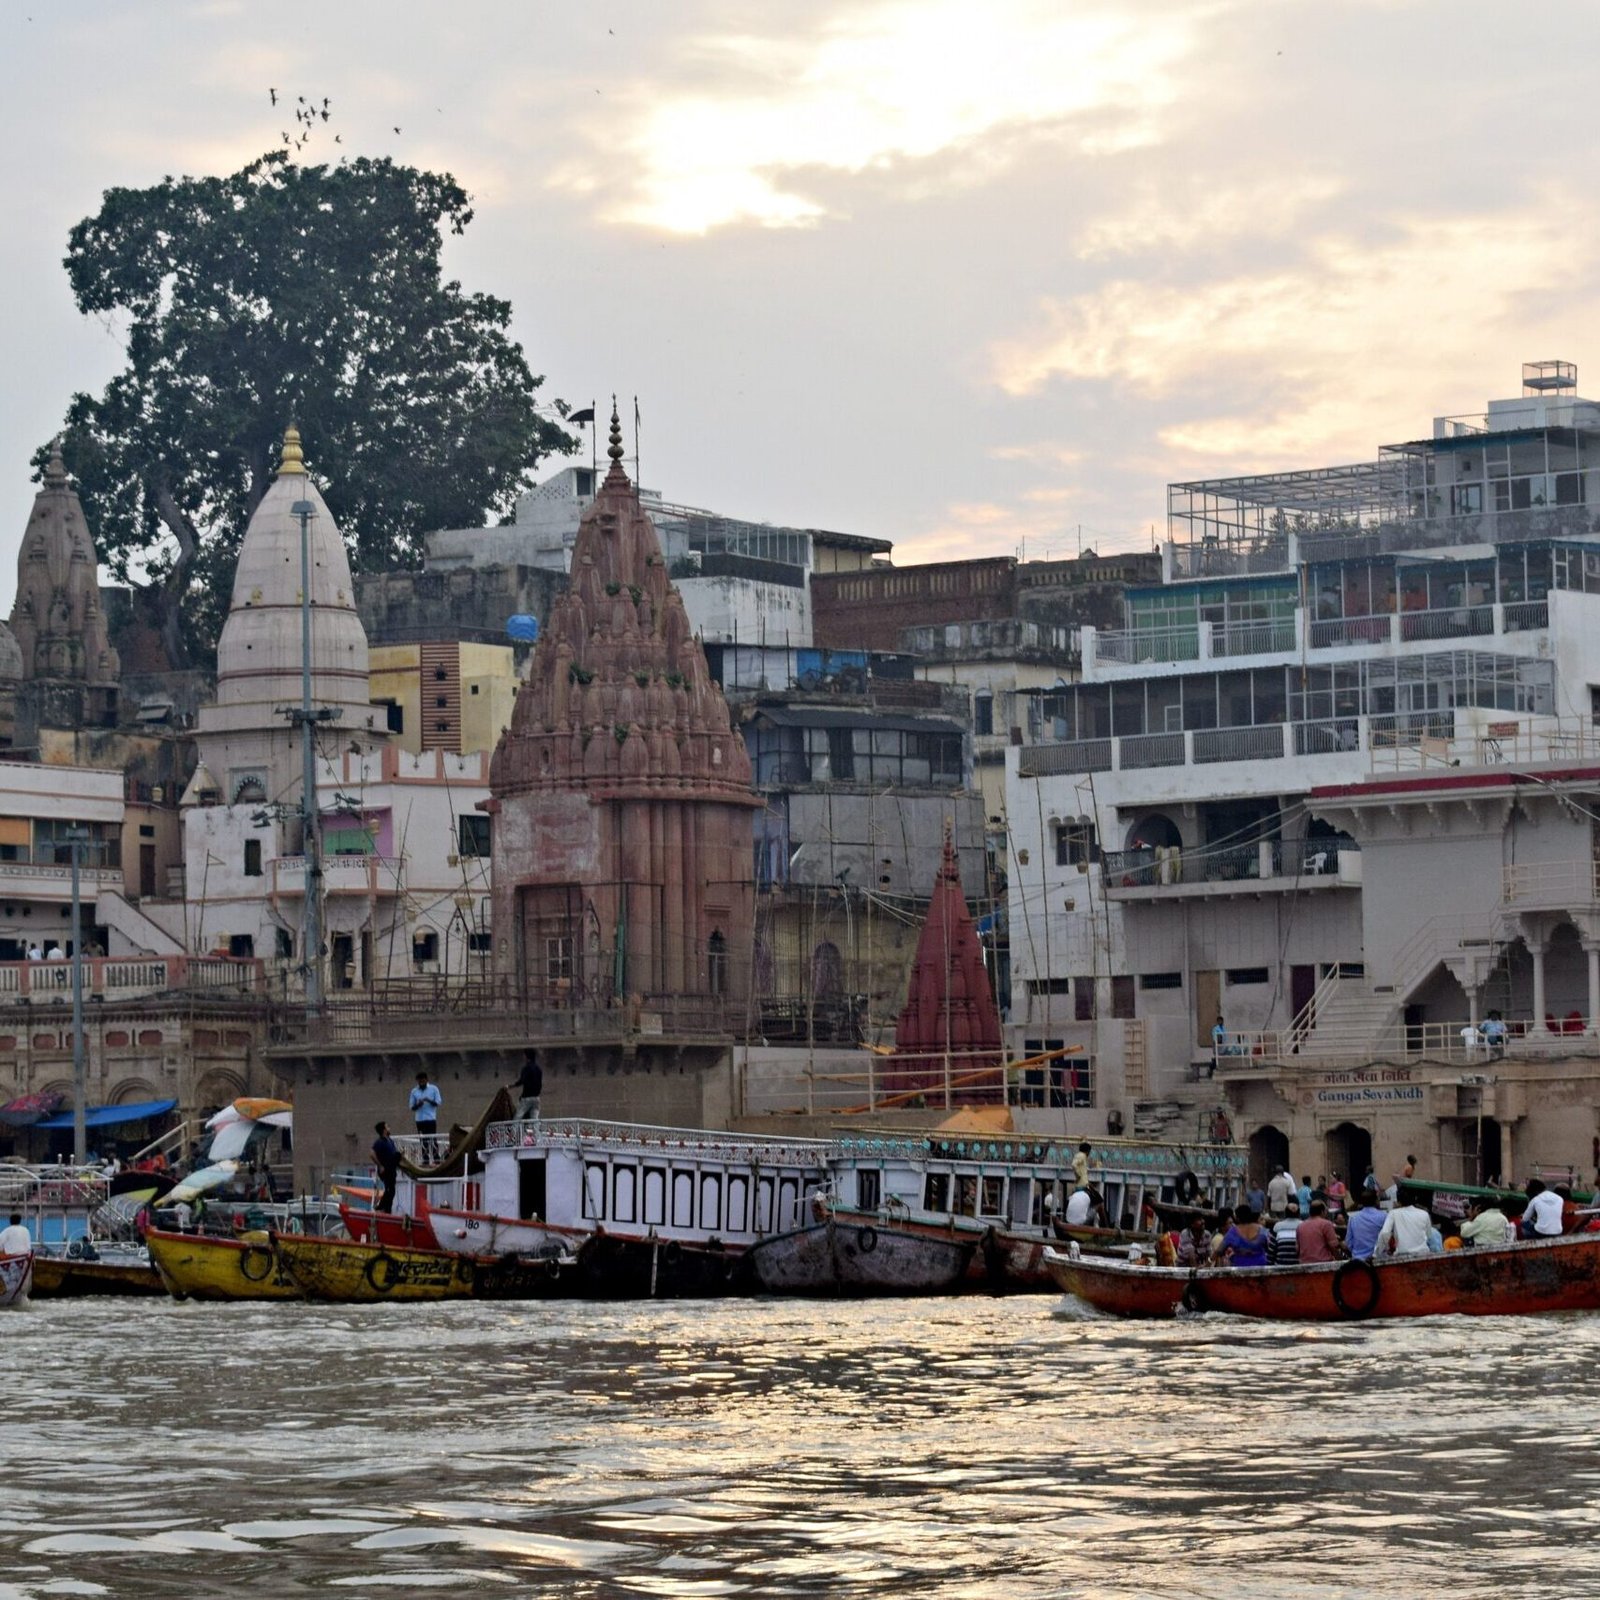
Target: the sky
(979, 279)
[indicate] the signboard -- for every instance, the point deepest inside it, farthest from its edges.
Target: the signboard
(1368, 1086)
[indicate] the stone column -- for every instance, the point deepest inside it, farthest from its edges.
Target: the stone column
(1591, 948)
(1536, 949)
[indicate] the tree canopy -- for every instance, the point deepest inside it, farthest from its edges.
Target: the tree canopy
(287, 293)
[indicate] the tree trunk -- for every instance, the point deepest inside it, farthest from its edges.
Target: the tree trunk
(177, 580)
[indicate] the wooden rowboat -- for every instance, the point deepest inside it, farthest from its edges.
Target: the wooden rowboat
(346, 1271)
(1523, 1279)
(839, 1257)
(198, 1266)
(63, 1277)
(15, 1275)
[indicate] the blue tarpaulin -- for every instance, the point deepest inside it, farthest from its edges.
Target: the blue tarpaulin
(109, 1116)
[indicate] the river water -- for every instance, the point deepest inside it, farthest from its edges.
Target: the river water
(975, 1447)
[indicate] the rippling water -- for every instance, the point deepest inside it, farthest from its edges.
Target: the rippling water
(971, 1447)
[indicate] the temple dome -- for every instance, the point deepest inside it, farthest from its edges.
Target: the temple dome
(259, 653)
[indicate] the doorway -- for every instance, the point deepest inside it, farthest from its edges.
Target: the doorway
(344, 967)
(1347, 1149)
(1269, 1150)
(1207, 1006)
(1302, 985)
(1490, 1157)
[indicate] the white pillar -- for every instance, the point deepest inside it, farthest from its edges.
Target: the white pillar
(1592, 950)
(1536, 950)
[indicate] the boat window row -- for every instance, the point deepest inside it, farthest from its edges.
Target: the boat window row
(647, 1195)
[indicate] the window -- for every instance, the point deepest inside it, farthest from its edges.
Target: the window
(424, 946)
(1049, 985)
(252, 858)
(869, 1190)
(1076, 845)
(717, 964)
(1161, 980)
(1083, 999)
(1466, 500)
(146, 831)
(285, 942)
(473, 689)
(1242, 975)
(983, 713)
(242, 946)
(936, 1192)
(480, 944)
(394, 714)
(440, 703)
(558, 959)
(472, 830)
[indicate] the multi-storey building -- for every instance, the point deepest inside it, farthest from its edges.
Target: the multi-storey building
(1332, 783)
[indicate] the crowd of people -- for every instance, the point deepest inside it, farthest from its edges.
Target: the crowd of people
(1287, 1224)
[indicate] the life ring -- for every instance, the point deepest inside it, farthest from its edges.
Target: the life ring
(1357, 1269)
(671, 1253)
(867, 1240)
(1194, 1297)
(1187, 1188)
(389, 1274)
(248, 1256)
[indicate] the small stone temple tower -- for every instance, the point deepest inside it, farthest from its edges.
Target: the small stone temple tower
(70, 672)
(949, 1009)
(621, 792)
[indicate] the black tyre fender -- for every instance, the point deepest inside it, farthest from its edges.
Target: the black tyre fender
(552, 1268)
(671, 1253)
(248, 1259)
(1194, 1297)
(1357, 1308)
(381, 1272)
(866, 1240)
(1187, 1188)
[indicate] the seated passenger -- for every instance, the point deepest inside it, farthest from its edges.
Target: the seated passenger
(1316, 1239)
(1408, 1230)
(1285, 1242)
(1085, 1208)
(1365, 1226)
(1541, 1217)
(1487, 1225)
(1245, 1242)
(1194, 1244)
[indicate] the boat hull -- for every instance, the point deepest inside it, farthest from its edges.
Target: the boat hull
(347, 1272)
(475, 1233)
(622, 1267)
(1524, 1279)
(195, 1266)
(60, 1278)
(16, 1273)
(870, 1258)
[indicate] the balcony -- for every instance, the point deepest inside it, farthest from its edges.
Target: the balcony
(1269, 866)
(43, 877)
(374, 877)
(112, 979)
(1551, 885)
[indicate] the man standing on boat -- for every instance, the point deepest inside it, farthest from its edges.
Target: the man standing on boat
(1080, 1167)
(386, 1157)
(531, 1087)
(425, 1103)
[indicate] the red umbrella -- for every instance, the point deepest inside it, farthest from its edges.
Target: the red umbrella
(28, 1109)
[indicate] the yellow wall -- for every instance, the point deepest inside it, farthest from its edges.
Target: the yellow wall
(488, 690)
(395, 673)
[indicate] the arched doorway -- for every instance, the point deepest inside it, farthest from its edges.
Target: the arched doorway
(1269, 1150)
(1347, 1148)
(1153, 831)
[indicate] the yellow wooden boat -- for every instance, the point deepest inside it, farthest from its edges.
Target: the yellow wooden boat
(197, 1266)
(345, 1270)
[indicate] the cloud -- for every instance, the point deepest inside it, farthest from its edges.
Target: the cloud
(880, 86)
(1313, 356)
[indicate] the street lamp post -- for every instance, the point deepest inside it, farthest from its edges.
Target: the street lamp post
(76, 839)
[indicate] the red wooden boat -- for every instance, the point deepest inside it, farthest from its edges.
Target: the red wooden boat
(1522, 1279)
(390, 1228)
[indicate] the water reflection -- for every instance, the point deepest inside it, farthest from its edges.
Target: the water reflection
(973, 1447)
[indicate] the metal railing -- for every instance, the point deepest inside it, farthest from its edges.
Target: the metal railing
(1238, 744)
(1560, 884)
(1073, 755)
(1151, 750)
(1456, 1043)
(1450, 622)
(1334, 631)
(115, 978)
(1132, 645)
(1252, 638)
(1523, 615)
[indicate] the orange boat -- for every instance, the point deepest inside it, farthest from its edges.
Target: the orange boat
(1523, 1279)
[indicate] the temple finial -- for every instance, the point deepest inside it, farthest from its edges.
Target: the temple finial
(293, 461)
(55, 471)
(614, 450)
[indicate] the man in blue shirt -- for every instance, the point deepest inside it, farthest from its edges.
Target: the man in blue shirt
(1303, 1195)
(425, 1101)
(1364, 1226)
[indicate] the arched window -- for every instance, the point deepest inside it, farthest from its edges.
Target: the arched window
(827, 970)
(717, 963)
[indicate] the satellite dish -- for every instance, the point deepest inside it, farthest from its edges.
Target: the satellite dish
(523, 628)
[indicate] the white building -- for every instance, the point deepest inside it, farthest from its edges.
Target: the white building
(1327, 783)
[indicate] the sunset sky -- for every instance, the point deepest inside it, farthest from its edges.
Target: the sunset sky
(961, 276)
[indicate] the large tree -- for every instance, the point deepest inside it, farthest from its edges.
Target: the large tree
(289, 293)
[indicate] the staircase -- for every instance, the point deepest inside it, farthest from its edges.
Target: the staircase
(1352, 1021)
(119, 916)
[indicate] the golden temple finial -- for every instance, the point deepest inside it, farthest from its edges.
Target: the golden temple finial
(614, 450)
(293, 461)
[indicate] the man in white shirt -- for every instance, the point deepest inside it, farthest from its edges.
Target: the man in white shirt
(1406, 1231)
(1487, 1225)
(15, 1240)
(35, 953)
(1278, 1192)
(1083, 1208)
(1541, 1217)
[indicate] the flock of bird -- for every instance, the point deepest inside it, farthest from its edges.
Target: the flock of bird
(307, 113)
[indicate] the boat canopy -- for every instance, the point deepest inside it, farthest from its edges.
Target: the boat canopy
(110, 1116)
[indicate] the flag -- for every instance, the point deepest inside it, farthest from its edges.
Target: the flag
(586, 415)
